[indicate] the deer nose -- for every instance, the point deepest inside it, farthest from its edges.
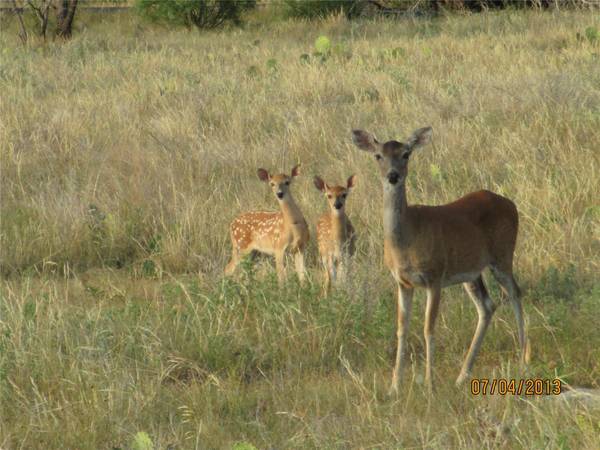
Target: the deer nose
(280, 194)
(393, 177)
(338, 204)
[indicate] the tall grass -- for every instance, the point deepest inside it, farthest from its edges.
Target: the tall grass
(157, 128)
(126, 152)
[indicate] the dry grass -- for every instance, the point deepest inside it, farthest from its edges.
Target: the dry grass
(114, 317)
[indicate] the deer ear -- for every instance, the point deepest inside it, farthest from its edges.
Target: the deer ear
(419, 138)
(319, 183)
(351, 182)
(364, 140)
(296, 170)
(263, 175)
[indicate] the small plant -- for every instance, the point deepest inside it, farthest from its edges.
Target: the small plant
(400, 78)
(253, 71)
(436, 173)
(243, 446)
(391, 53)
(590, 34)
(272, 64)
(141, 441)
(397, 52)
(323, 50)
(149, 268)
(593, 212)
(323, 45)
(248, 269)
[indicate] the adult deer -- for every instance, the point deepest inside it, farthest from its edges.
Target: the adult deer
(432, 247)
(335, 233)
(272, 233)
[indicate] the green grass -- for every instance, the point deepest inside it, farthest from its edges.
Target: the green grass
(87, 364)
(126, 152)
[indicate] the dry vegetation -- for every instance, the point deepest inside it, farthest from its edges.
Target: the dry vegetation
(126, 152)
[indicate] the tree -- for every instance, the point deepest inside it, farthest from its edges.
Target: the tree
(64, 18)
(63, 23)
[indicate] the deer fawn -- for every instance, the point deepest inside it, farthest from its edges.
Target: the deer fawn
(335, 233)
(432, 247)
(272, 233)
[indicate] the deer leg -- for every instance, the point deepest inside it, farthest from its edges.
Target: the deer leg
(404, 309)
(327, 279)
(348, 265)
(511, 289)
(333, 268)
(299, 261)
(235, 260)
(431, 312)
(342, 270)
(485, 309)
(279, 265)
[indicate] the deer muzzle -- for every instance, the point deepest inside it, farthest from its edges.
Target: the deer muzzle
(393, 177)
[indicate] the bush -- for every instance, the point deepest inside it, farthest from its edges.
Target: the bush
(318, 9)
(199, 13)
(397, 8)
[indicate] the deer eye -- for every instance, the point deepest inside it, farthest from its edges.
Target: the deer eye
(329, 196)
(287, 183)
(406, 155)
(344, 195)
(378, 157)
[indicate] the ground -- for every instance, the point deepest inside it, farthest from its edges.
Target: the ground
(127, 151)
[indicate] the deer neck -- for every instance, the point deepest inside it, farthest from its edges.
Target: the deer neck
(395, 214)
(338, 225)
(292, 216)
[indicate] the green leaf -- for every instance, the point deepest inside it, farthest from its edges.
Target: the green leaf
(243, 446)
(323, 44)
(141, 441)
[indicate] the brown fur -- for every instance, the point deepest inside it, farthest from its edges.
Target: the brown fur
(432, 247)
(483, 226)
(272, 233)
(335, 233)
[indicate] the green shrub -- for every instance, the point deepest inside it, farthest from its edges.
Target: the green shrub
(199, 13)
(318, 9)
(592, 34)
(141, 441)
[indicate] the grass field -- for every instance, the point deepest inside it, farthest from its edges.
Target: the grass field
(128, 150)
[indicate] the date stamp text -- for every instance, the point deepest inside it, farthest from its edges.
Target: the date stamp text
(512, 386)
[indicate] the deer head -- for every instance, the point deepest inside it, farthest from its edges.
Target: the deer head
(336, 195)
(280, 184)
(392, 156)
